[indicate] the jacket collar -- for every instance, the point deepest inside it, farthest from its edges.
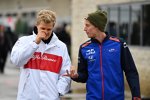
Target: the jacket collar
(48, 40)
(105, 39)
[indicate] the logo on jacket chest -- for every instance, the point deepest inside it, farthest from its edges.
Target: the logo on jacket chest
(112, 50)
(45, 62)
(44, 57)
(90, 54)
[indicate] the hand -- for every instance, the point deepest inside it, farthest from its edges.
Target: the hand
(73, 73)
(41, 35)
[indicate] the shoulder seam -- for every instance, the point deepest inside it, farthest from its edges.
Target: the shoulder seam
(85, 44)
(114, 39)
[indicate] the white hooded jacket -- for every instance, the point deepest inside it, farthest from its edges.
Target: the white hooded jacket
(42, 68)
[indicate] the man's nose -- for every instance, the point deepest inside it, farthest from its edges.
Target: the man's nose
(46, 31)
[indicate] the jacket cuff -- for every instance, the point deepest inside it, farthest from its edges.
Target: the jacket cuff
(136, 98)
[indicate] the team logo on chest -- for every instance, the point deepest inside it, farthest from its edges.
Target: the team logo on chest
(90, 54)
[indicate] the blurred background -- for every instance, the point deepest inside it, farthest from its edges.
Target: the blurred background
(128, 19)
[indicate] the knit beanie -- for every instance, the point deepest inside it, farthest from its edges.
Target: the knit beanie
(98, 19)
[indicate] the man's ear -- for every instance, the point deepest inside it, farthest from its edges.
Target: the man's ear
(35, 29)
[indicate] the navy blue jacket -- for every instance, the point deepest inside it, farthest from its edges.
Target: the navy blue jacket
(101, 66)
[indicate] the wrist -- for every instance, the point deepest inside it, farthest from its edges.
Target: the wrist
(37, 41)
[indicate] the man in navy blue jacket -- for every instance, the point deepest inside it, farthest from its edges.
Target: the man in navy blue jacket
(102, 61)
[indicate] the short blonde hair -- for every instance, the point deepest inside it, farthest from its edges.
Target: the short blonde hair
(46, 16)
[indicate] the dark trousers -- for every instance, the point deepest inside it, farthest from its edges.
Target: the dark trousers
(3, 58)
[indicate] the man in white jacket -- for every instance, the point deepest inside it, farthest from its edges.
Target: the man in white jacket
(43, 60)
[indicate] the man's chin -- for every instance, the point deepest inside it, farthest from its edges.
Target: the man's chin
(45, 38)
(90, 37)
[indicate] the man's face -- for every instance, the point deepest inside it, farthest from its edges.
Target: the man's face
(90, 29)
(46, 29)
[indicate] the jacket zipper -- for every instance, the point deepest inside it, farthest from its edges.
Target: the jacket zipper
(101, 69)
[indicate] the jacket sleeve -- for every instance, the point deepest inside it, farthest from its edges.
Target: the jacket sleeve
(82, 69)
(22, 51)
(130, 70)
(64, 82)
